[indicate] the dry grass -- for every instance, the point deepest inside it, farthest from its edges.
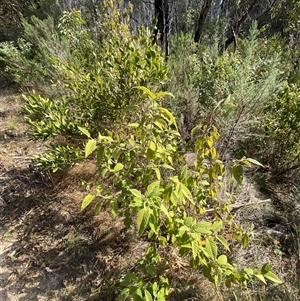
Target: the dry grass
(51, 251)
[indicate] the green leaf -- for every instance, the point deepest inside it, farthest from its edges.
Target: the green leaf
(253, 161)
(148, 296)
(245, 240)
(153, 190)
(152, 146)
(151, 270)
(128, 280)
(100, 154)
(90, 147)
(162, 241)
(87, 200)
(183, 173)
(196, 249)
(218, 278)
(163, 94)
(84, 131)
(188, 221)
(266, 268)
(186, 192)
(118, 167)
(142, 221)
(223, 241)
(130, 108)
(238, 173)
(157, 172)
(261, 278)
(136, 193)
(272, 277)
(202, 227)
(168, 115)
(147, 91)
(222, 260)
(211, 248)
(164, 210)
(217, 226)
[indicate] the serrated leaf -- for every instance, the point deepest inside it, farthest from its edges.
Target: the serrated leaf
(136, 193)
(272, 277)
(183, 229)
(211, 248)
(153, 190)
(87, 200)
(200, 229)
(142, 221)
(118, 167)
(196, 249)
(218, 278)
(217, 226)
(84, 131)
(90, 147)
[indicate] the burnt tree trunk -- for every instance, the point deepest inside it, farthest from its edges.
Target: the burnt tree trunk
(201, 21)
(162, 31)
(159, 15)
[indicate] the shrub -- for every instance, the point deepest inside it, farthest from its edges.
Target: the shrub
(229, 90)
(144, 165)
(97, 77)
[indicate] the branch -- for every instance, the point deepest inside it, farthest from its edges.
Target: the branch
(238, 206)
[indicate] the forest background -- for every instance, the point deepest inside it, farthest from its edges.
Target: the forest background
(175, 104)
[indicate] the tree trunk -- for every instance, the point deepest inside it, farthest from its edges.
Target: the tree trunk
(200, 23)
(159, 15)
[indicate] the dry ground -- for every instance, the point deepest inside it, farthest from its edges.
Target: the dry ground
(49, 250)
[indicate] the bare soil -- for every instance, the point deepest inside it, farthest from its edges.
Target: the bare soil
(50, 250)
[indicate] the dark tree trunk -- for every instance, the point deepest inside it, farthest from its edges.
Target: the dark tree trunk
(159, 15)
(201, 21)
(162, 31)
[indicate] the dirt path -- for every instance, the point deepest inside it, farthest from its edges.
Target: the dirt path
(49, 250)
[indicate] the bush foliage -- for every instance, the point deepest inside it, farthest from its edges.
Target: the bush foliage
(90, 84)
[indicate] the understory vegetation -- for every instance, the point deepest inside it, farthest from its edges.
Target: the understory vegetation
(173, 137)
